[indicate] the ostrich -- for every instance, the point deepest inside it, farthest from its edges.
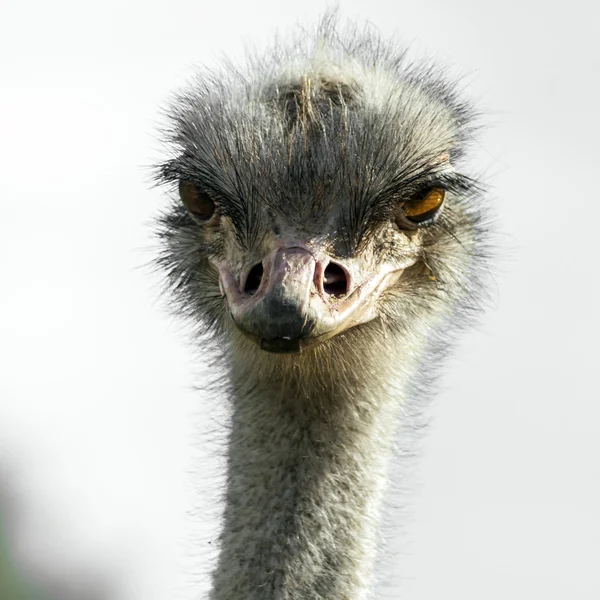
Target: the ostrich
(327, 244)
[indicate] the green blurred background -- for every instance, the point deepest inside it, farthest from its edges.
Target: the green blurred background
(14, 582)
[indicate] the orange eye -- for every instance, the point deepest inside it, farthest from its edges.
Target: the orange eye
(199, 203)
(424, 210)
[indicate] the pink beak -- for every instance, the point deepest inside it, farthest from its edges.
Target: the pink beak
(301, 300)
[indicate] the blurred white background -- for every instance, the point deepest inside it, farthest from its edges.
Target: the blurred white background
(98, 412)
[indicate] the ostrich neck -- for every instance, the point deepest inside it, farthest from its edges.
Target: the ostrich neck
(306, 472)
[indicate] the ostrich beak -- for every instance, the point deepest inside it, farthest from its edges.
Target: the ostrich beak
(293, 307)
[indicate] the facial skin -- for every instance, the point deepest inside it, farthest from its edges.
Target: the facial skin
(295, 289)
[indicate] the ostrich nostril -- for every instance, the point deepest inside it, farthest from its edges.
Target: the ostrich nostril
(253, 280)
(335, 281)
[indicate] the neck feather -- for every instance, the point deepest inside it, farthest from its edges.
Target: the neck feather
(306, 472)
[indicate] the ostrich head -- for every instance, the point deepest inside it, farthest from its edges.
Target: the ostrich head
(324, 235)
(317, 193)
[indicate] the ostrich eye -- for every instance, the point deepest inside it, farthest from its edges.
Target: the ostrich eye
(421, 212)
(197, 202)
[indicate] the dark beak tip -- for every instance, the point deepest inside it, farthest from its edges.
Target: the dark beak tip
(281, 346)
